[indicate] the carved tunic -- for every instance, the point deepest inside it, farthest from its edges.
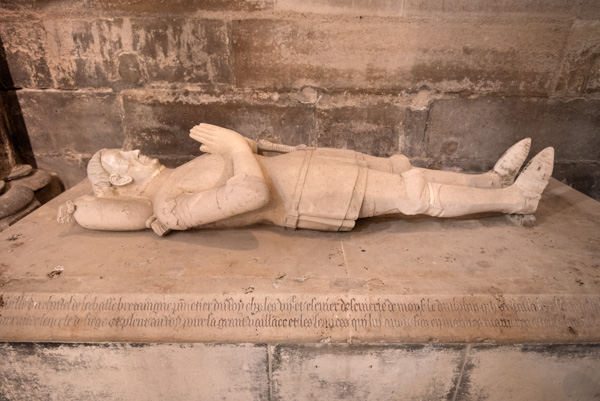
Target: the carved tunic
(329, 205)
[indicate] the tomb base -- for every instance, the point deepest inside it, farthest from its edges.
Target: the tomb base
(416, 308)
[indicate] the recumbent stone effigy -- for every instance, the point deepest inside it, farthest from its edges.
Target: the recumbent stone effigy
(234, 185)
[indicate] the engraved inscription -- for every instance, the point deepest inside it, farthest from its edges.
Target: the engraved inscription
(305, 316)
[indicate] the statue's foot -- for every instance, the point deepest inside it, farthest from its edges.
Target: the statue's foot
(533, 179)
(511, 161)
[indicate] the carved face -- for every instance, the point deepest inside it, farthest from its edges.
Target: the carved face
(128, 167)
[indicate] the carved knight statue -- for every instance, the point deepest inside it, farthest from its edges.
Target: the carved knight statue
(326, 189)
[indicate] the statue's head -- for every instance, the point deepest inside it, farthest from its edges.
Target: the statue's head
(118, 172)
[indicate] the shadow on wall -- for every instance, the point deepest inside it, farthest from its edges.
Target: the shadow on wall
(15, 146)
(23, 188)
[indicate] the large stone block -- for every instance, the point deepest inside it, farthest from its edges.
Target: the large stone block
(133, 372)
(378, 126)
(119, 52)
(158, 122)
(182, 6)
(581, 67)
(71, 122)
(398, 54)
(367, 372)
(583, 176)
(483, 128)
(531, 372)
(530, 7)
(136, 6)
(589, 9)
(25, 54)
(70, 169)
(384, 8)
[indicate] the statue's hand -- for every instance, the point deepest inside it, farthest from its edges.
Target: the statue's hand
(219, 140)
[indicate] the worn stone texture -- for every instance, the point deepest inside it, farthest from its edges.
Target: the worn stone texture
(365, 372)
(137, 6)
(371, 128)
(530, 7)
(69, 168)
(383, 8)
(62, 122)
(531, 372)
(182, 6)
(581, 68)
(142, 371)
(588, 9)
(118, 52)
(582, 176)
(133, 372)
(449, 56)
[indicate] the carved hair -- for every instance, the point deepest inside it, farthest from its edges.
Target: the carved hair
(99, 177)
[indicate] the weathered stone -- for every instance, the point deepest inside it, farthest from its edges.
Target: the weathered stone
(360, 8)
(136, 6)
(69, 169)
(376, 125)
(7, 221)
(374, 129)
(457, 128)
(182, 6)
(529, 7)
(14, 199)
(63, 122)
(25, 55)
(167, 371)
(365, 372)
(180, 50)
(118, 52)
(160, 124)
(581, 68)
(588, 9)
(360, 54)
(531, 372)
(583, 176)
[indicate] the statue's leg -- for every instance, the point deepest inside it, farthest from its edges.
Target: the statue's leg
(502, 175)
(412, 193)
(485, 180)
(399, 164)
(522, 197)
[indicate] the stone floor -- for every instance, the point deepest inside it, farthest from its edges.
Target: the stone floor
(419, 308)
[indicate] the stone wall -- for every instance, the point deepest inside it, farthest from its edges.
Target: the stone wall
(361, 372)
(450, 84)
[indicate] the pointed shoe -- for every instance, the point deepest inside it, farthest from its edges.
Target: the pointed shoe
(533, 179)
(511, 161)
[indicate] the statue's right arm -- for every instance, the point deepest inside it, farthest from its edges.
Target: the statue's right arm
(245, 191)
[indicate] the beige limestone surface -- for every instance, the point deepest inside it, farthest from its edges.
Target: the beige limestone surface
(391, 280)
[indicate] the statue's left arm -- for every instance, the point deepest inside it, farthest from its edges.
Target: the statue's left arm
(245, 191)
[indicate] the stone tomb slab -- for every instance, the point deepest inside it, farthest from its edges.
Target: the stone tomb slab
(389, 280)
